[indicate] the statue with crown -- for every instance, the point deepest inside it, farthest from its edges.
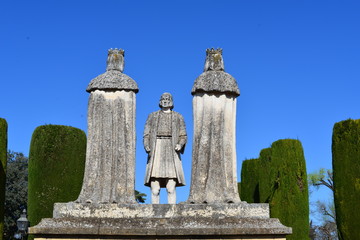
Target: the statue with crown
(106, 207)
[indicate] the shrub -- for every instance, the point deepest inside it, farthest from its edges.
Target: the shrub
(3, 161)
(56, 168)
(290, 200)
(346, 173)
(250, 181)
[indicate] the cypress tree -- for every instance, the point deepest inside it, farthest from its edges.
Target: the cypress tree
(56, 168)
(265, 183)
(290, 200)
(3, 161)
(250, 181)
(346, 173)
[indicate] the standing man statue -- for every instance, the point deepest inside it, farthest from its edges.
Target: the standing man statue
(164, 140)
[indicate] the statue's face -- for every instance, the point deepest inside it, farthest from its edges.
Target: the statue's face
(166, 101)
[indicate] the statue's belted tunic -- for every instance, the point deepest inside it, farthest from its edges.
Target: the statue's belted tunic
(162, 132)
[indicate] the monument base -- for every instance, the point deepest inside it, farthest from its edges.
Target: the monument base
(163, 221)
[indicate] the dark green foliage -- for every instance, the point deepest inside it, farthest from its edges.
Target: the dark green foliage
(250, 181)
(265, 184)
(16, 191)
(346, 173)
(3, 160)
(290, 200)
(278, 177)
(140, 197)
(56, 168)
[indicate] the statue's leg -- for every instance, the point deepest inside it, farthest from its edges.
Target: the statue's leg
(170, 187)
(155, 191)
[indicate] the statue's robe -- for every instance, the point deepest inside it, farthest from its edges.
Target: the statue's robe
(178, 136)
(110, 156)
(213, 177)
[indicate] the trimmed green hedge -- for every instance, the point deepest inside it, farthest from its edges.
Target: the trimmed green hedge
(56, 168)
(346, 173)
(265, 184)
(3, 161)
(250, 181)
(278, 177)
(290, 200)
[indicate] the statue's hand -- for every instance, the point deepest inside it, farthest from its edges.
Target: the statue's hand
(147, 149)
(177, 147)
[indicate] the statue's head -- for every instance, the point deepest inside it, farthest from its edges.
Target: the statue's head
(166, 101)
(214, 60)
(115, 60)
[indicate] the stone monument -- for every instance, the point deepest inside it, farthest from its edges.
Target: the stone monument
(213, 178)
(110, 154)
(106, 207)
(164, 140)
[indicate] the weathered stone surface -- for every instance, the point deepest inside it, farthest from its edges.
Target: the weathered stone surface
(110, 156)
(169, 237)
(111, 211)
(164, 140)
(176, 226)
(214, 79)
(216, 82)
(113, 79)
(214, 171)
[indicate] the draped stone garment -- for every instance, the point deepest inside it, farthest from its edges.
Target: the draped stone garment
(178, 136)
(214, 177)
(110, 156)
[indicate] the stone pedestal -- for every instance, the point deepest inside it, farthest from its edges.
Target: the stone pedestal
(162, 221)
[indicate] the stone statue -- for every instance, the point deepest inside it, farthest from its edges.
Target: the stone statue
(213, 177)
(164, 140)
(110, 155)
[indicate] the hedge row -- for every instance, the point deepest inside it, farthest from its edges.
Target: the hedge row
(346, 173)
(278, 177)
(249, 181)
(3, 161)
(56, 168)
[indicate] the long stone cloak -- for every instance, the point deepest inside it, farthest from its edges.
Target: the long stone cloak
(110, 155)
(214, 173)
(179, 136)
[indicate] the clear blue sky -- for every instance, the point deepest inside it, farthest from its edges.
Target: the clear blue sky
(296, 63)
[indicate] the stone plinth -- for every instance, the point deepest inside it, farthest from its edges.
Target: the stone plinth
(76, 210)
(162, 221)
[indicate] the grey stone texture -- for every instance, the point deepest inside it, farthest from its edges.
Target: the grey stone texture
(159, 227)
(112, 211)
(214, 79)
(177, 132)
(113, 79)
(164, 140)
(187, 221)
(110, 155)
(214, 178)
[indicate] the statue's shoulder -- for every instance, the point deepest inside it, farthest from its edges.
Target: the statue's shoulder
(154, 114)
(177, 114)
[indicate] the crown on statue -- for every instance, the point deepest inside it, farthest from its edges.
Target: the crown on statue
(214, 51)
(116, 51)
(115, 60)
(214, 60)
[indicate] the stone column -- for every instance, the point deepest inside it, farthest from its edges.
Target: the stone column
(110, 155)
(214, 178)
